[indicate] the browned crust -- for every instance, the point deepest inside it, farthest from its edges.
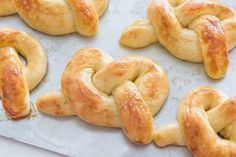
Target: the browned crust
(7, 8)
(214, 48)
(136, 118)
(14, 91)
(8, 37)
(85, 16)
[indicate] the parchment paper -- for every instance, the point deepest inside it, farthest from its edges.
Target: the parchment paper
(74, 137)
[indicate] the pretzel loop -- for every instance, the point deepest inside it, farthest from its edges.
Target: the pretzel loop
(58, 17)
(124, 93)
(191, 30)
(16, 80)
(203, 114)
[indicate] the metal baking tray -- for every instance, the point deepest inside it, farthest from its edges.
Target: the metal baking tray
(74, 137)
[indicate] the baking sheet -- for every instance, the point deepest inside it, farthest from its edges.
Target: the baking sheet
(72, 136)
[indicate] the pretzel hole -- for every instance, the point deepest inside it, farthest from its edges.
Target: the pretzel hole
(22, 59)
(223, 137)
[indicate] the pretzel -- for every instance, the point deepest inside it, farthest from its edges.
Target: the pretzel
(203, 114)
(191, 30)
(16, 80)
(58, 17)
(124, 93)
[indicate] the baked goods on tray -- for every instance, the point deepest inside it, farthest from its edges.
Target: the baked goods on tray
(204, 114)
(16, 79)
(122, 93)
(58, 17)
(192, 30)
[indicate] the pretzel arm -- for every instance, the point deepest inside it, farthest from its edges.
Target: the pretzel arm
(100, 6)
(54, 103)
(140, 34)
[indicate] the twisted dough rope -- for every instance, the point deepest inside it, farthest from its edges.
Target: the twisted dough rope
(15, 79)
(124, 93)
(192, 30)
(203, 113)
(58, 17)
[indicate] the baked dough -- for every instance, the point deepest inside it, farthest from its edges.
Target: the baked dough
(16, 79)
(192, 30)
(203, 114)
(58, 17)
(123, 93)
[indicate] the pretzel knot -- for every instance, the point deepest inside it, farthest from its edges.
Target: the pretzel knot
(58, 17)
(192, 30)
(17, 79)
(204, 114)
(124, 93)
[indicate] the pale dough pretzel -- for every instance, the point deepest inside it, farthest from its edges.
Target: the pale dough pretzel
(124, 93)
(192, 30)
(203, 114)
(16, 80)
(58, 17)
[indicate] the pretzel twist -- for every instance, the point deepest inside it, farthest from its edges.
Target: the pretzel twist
(192, 30)
(58, 17)
(203, 114)
(124, 93)
(16, 80)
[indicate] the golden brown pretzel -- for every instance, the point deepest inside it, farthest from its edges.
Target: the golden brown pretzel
(16, 79)
(58, 17)
(124, 93)
(203, 114)
(192, 30)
